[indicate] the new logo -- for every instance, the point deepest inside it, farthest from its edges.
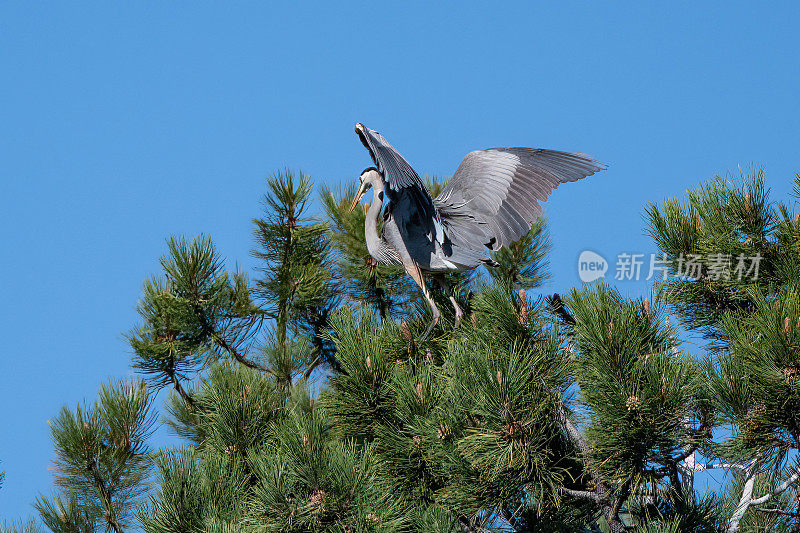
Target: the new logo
(591, 266)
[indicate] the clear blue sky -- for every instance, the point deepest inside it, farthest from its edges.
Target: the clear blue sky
(122, 123)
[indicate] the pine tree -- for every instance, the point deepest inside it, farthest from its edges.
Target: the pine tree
(102, 461)
(750, 316)
(19, 526)
(727, 238)
(296, 288)
(645, 401)
(192, 315)
(244, 396)
(535, 414)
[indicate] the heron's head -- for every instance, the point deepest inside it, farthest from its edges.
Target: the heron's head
(369, 178)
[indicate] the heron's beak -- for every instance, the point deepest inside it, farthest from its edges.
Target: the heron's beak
(361, 190)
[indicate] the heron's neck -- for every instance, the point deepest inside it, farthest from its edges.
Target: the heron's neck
(376, 246)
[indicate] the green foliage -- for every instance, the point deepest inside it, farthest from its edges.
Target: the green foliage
(28, 526)
(676, 510)
(466, 425)
(198, 491)
(726, 224)
(765, 358)
(66, 514)
(508, 429)
(523, 264)
(368, 351)
(192, 315)
(102, 460)
(265, 460)
(755, 384)
(232, 410)
(641, 394)
(295, 288)
(313, 483)
(205, 486)
(751, 322)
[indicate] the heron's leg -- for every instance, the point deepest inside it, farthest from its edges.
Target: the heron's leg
(416, 274)
(440, 279)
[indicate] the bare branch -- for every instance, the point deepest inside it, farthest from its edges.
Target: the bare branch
(572, 431)
(702, 467)
(583, 495)
(745, 500)
(781, 488)
(778, 511)
(180, 390)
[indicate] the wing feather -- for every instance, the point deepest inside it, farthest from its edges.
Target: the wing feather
(503, 188)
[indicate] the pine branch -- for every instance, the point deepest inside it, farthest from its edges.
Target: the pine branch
(105, 495)
(102, 458)
(702, 467)
(602, 493)
(510, 518)
(180, 390)
(233, 352)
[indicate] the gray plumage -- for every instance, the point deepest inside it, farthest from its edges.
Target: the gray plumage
(491, 201)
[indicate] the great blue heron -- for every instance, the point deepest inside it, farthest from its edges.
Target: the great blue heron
(490, 202)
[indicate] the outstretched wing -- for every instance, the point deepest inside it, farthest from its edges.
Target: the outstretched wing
(404, 187)
(497, 192)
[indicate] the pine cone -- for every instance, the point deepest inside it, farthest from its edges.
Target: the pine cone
(513, 430)
(523, 308)
(407, 334)
(633, 403)
(318, 498)
(790, 374)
